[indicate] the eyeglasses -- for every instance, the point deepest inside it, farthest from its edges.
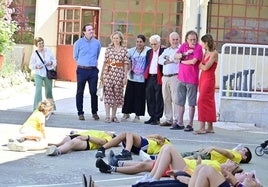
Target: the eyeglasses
(153, 44)
(191, 39)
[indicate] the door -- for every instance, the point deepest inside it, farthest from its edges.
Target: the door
(70, 22)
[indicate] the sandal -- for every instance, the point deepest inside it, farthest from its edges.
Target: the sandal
(200, 131)
(188, 128)
(108, 120)
(114, 119)
(209, 131)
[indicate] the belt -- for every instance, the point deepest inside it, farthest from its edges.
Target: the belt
(86, 67)
(170, 75)
(152, 75)
(115, 64)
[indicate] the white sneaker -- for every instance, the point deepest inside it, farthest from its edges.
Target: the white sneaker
(144, 156)
(136, 119)
(145, 178)
(125, 117)
(16, 146)
(52, 151)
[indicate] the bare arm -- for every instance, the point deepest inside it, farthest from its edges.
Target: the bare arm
(213, 58)
(192, 61)
(219, 150)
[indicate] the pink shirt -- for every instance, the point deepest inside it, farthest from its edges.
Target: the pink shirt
(188, 73)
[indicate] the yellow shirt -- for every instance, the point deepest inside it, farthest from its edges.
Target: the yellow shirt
(97, 134)
(154, 147)
(35, 121)
(222, 159)
(191, 163)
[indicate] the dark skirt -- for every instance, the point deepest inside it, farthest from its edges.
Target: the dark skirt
(134, 100)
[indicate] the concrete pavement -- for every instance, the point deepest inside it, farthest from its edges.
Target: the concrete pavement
(34, 168)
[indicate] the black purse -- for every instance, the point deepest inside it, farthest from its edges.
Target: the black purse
(51, 74)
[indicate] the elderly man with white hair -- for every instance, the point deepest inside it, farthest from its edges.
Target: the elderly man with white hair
(153, 77)
(169, 80)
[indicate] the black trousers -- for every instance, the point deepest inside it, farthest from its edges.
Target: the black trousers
(134, 101)
(154, 98)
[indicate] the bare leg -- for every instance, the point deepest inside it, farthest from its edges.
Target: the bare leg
(114, 109)
(107, 111)
(202, 129)
(167, 156)
(63, 141)
(73, 145)
(181, 110)
(191, 114)
(132, 139)
(210, 127)
(115, 141)
(137, 167)
(205, 176)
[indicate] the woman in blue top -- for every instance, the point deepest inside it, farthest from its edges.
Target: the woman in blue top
(134, 101)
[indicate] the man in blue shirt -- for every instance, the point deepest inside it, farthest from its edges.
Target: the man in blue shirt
(86, 53)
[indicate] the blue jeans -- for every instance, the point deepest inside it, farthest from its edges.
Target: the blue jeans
(91, 77)
(39, 81)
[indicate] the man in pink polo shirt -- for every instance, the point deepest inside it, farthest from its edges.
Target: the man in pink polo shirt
(190, 54)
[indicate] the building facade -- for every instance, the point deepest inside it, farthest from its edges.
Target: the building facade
(59, 22)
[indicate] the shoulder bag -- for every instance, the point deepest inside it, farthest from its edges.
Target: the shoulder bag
(51, 74)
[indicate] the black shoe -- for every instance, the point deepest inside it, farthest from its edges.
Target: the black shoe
(81, 117)
(149, 121)
(95, 116)
(100, 153)
(112, 160)
(177, 127)
(155, 122)
(125, 155)
(103, 167)
(188, 128)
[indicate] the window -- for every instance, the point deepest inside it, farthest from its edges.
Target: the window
(133, 17)
(25, 17)
(238, 21)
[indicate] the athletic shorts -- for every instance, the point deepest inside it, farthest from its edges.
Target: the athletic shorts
(165, 174)
(75, 135)
(136, 150)
(189, 90)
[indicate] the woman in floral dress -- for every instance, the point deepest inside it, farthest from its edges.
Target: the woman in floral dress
(114, 76)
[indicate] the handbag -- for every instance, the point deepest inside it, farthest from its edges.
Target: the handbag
(100, 91)
(51, 74)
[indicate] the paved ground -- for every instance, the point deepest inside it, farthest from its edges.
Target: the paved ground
(37, 169)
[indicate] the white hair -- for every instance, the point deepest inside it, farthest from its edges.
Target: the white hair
(155, 37)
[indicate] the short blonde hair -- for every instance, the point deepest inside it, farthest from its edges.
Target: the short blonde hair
(46, 105)
(121, 36)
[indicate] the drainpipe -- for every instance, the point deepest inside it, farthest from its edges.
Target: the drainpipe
(198, 28)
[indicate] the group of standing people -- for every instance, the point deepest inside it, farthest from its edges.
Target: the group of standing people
(163, 78)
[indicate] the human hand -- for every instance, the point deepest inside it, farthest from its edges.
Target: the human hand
(177, 56)
(228, 176)
(39, 66)
(190, 51)
(208, 150)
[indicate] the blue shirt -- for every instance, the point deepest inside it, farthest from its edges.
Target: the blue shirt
(86, 52)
